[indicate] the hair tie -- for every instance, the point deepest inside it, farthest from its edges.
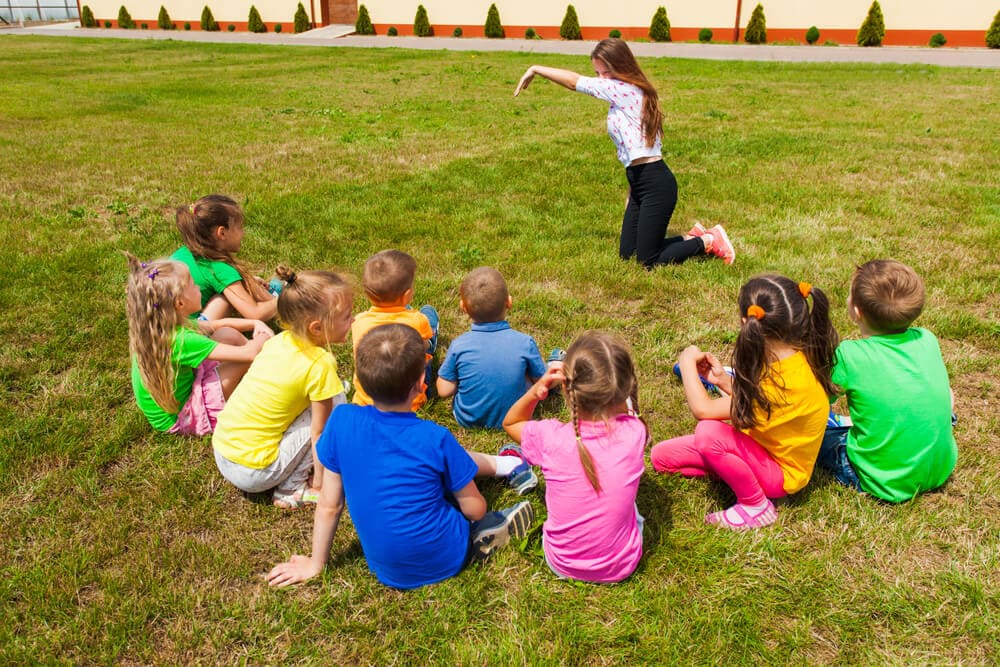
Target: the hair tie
(805, 289)
(755, 312)
(152, 274)
(292, 277)
(156, 304)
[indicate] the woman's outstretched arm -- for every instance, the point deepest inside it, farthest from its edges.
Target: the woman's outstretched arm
(563, 77)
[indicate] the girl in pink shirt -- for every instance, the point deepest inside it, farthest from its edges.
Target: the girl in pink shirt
(592, 465)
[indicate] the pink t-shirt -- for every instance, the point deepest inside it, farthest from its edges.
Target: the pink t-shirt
(590, 536)
(624, 116)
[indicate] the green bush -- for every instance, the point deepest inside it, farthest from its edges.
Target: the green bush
(457, 32)
(993, 34)
(812, 35)
(422, 24)
(187, 26)
(756, 32)
(163, 21)
(277, 27)
(302, 19)
(231, 28)
(493, 28)
(616, 33)
(363, 26)
(254, 22)
(530, 34)
(570, 26)
(937, 40)
(87, 17)
(125, 19)
(705, 35)
(830, 42)
(145, 26)
(872, 31)
(208, 22)
(659, 28)
(392, 32)
(107, 24)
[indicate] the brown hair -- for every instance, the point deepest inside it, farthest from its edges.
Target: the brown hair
(786, 318)
(197, 223)
(599, 375)
(387, 275)
(623, 66)
(307, 297)
(484, 292)
(889, 294)
(150, 305)
(389, 361)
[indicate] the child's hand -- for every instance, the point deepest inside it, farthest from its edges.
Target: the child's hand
(261, 330)
(692, 356)
(553, 376)
(296, 570)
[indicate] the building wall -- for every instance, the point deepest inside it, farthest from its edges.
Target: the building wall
(225, 11)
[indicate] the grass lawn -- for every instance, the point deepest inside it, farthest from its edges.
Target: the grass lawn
(117, 545)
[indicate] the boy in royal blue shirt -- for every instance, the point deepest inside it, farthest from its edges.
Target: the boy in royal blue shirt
(407, 482)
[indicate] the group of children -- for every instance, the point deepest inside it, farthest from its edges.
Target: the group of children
(269, 402)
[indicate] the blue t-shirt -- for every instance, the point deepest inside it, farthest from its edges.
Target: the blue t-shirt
(396, 469)
(491, 364)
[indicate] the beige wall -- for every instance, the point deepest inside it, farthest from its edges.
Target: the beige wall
(224, 11)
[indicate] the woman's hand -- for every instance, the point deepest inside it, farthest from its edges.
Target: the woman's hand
(525, 80)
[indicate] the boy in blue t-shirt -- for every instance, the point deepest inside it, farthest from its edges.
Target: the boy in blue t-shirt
(408, 483)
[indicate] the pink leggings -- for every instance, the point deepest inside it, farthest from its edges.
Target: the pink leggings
(716, 448)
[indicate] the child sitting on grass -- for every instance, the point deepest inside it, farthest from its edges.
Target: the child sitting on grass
(901, 440)
(388, 283)
(409, 484)
(489, 367)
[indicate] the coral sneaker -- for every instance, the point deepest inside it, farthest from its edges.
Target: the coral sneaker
(721, 245)
(697, 231)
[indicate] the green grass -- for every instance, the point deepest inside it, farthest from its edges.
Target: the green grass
(120, 546)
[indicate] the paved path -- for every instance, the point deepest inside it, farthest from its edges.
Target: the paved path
(340, 36)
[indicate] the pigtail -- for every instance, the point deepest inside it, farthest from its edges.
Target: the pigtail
(585, 459)
(749, 368)
(821, 342)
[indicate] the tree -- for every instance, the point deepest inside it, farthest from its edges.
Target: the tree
(208, 22)
(87, 17)
(302, 19)
(812, 35)
(493, 28)
(993, 34)
(872, 31)
(570, 27)
(659, 28)
(363, 26)
(422, 24)
(125, 19)
(163, 21)
(756, 32)
(254, 22)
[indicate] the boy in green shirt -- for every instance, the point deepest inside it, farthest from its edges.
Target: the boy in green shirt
(901, 441)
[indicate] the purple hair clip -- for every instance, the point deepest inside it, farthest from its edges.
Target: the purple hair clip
(152, 274)
(156, 304)
(143, 265)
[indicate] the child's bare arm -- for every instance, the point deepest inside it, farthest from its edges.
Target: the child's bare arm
(471, 502)
(244, 303)
(702, 407)
(521, 411)
(328, 510)
(446, 388)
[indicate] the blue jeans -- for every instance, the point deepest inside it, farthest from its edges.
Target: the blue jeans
(432, 316)
(833, 456)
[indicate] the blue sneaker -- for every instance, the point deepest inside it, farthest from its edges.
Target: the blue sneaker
(496, 528)
(522, 479)
(557, 354)
(275, 286)
(709, 387)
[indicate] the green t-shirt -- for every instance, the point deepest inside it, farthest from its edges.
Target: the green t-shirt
(210, 275)
(901, 442)
(190, 348)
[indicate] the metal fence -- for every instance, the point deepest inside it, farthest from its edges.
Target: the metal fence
(15, 11)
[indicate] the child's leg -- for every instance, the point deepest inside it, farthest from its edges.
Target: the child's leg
(217, 308)
(740, 462)
(833, 456)
(230, 372)
(294, 462)
(678, 455)
(432, 316)
(507, 464)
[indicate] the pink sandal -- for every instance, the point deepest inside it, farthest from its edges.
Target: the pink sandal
(765, 517)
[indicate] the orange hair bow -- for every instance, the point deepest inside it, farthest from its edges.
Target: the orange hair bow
(805, 289)
(755, 312)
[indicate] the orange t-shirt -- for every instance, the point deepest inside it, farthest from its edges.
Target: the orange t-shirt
(377, 316)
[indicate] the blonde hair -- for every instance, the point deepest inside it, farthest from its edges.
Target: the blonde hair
(307, 297)
(197, 223)
(600, 376)
(387, 275)
(889, 294)
(151, 307)
(484, 292)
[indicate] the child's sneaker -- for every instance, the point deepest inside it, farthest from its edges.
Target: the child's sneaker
(522, 478)
(275, 285)
(721, 246)
(496, 528)
(557, 354)
(697, 231)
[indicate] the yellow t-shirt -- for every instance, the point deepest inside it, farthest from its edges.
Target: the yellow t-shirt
(286, 376)
(376, 316)
(798, 419)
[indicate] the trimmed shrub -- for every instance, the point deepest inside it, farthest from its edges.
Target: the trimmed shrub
(163, 21)
(87, 17)
(570, 26)
(392, 32)
(107, 24)
(422, 24)
(493, 28)
(616, 33)
(187, 26)
(254, 22)
(659, 27)
(457, 32)
(872, 31)
(231, 28)
(812, 35)
(363, 26)
(302, 19)
(993, 34)
(756, 32)
(125, 19)
(705, 35)
(208, 21)
(277, 27)
(530, 34)
(145, 26)
(830, 42)
(937, 40)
